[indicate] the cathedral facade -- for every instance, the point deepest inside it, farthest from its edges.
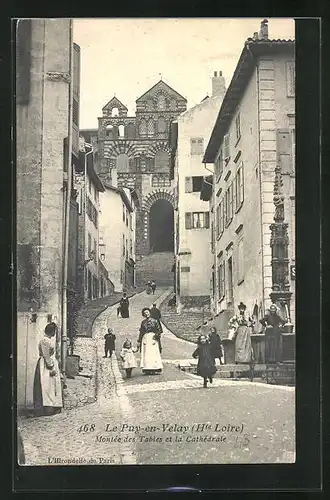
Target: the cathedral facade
(134, 153)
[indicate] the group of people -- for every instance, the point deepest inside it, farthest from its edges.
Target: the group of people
(47, 389)
(151, 287)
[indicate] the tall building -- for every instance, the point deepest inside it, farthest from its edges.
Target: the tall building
(134, 153)
(192, 217)
(45, 89)
(254, 130)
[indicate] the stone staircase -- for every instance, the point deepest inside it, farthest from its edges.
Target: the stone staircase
(156, 266)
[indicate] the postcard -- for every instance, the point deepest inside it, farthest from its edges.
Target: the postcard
(155, 241)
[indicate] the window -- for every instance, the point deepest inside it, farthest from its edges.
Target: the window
(240, 262)
(222, 219)
(212, 237)
(123, 246)
(238, 127)
(221, 278)
(193, 184)
(95, 250)
(161, 103)
(131, 248)
(218, 166)
(114, 112)
(121, 130)
(197, 220)
(75, 112)
(92, 212)
(226, 151)
(196, 146)
(239, 188)
(151, 127)
(218, 222)
(290, 78)
(230, 280)
(109, 131)
(161, 125)
(143, 127)
(229, 204)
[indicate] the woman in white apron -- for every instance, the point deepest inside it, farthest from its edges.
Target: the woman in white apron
(149, 344)
(47, 389)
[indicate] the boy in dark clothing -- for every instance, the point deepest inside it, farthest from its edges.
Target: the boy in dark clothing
(109, 345)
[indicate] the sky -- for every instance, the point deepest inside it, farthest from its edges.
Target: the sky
(125, 57)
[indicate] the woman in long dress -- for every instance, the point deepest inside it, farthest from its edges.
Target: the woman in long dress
(47, 388)
(241, 325)
(124, 306)
(149, 344)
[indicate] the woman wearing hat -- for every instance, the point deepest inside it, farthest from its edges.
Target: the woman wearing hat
(241, 324)
(149, 344)
(273, 322)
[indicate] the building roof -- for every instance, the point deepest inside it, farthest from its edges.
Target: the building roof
(163, 84)
(123, 195)
(114, 102)
(253, 49)
(92, 173)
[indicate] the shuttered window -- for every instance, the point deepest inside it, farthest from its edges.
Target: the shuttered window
(226, 150)
(239, 188)
(196, 146)
(197, 220)
(240, 261)
(285, 150)
(218, 166)
(290, 78)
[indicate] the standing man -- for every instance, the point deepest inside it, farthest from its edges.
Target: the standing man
(153, 287)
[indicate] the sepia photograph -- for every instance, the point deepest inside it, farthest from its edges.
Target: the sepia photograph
(155, 257)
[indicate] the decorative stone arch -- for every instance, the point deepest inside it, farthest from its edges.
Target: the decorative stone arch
(158, 146)
(157, 194)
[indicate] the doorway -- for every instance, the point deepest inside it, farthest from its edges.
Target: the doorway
(161, 224)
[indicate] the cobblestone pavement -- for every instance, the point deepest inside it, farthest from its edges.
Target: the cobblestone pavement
(166, 418)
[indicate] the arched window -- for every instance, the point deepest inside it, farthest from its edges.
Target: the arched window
(115, 112)
(143, 127)
(161, 103)
(161, 125)
(173, 104)
(121, 129)
(122, 163)
(151, 127)
(162, 162)
(109, 131)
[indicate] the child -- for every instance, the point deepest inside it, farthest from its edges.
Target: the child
(205, 366)
(128, 358)
(109, 345)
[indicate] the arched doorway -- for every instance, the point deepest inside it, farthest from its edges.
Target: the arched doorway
(161, 226)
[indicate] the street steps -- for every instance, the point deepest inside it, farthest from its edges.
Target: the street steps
(156, 266)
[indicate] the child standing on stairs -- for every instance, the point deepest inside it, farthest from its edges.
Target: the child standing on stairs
(128, 358)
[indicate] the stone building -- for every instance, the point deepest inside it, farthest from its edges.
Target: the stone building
(254, 130)
(134, 153)
(192, 218)
(45, 50)
(117, 235)
(89, 187)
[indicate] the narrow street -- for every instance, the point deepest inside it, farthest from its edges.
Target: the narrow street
(167, 418)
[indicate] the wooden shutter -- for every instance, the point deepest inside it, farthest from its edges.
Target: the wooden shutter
(188, 185)
(188, 220)
(207, 219)
(218, 221)
(231, 199)
(284, 150)
(235, 191)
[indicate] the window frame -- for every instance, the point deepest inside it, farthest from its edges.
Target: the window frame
(239, 187)
(196, 146)
(238, 126)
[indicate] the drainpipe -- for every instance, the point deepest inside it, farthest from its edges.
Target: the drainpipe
(260, 191)
(67, 215)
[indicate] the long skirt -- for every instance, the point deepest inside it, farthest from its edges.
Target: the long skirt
(151, 360)
(47, 390)
(273, 345)
(243, 346)
(124, 311)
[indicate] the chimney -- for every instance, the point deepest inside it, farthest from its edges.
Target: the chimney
(264, 30)
(218, 84)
